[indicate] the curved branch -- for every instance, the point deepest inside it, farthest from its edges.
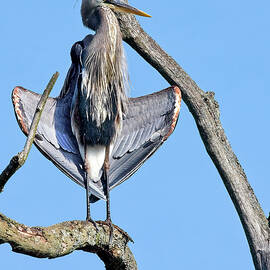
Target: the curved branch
(205, 111)
(63, 238)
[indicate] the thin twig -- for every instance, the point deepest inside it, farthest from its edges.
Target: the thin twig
(18, 160)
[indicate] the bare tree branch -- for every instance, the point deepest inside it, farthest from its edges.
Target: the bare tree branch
(64, 238)
(17, 161)
(61, 239)
(205, 111)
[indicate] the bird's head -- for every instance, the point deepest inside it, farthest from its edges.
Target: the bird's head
(89, 7)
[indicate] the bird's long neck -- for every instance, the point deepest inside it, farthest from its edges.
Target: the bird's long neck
(105, 74)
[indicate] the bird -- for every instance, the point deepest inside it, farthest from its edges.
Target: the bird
(93, 132)
(100, 98)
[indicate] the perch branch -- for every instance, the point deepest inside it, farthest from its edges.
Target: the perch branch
(17, 161)
(64, 238)
(205, 111)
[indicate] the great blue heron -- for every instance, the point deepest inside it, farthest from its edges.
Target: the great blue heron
(100, 99)
(92, 131)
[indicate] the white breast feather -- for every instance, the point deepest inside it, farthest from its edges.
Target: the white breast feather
(95, 156)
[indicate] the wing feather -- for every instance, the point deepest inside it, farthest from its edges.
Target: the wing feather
(67, 160)
(148, 122)
(134, 145)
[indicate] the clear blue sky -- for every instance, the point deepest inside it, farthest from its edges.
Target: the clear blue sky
(175, 207)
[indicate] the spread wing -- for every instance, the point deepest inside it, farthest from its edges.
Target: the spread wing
(148, 122)
(54, 137)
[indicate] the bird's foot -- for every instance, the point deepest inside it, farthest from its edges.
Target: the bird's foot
(112, 226)
(108, 222)
(93, 222)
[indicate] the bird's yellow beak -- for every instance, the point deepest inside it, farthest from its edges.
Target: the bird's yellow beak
(125, 8)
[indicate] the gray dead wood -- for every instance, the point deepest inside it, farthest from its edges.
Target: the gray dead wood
(205, 111)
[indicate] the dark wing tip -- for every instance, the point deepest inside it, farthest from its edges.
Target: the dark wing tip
(19, 113)
(177, 105)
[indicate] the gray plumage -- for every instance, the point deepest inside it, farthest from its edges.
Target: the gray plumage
(100, 97)
(93, 132)
(104, 72)
(148, 122)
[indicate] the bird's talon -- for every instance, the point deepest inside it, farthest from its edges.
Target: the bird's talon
(108, 222)
(93, 222)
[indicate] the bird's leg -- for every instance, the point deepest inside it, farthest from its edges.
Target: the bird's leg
(88, 216)
(107, 186)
